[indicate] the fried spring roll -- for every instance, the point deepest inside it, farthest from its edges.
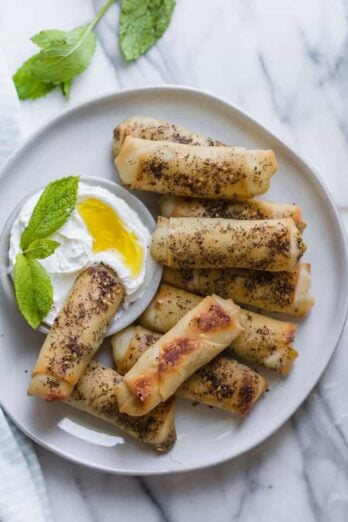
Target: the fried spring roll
(272, 245)
(129, 344)
(195, 171)
(77, 333)
(172, 206)
(95, 394)
(168, 306)
(264, 341)
(195, 340)
(223, 383)
(284, 292)
(147, 128)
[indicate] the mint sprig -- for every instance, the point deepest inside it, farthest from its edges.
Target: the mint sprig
(66, 54)
(33, 287)
(63, 56)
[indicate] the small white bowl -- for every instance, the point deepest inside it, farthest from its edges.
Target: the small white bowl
(124, 317)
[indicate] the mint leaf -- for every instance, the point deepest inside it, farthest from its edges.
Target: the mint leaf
(44, 38)
(63, 59)
(41, 248)
(28, 85)
(53, 209)
(33, 289)
(142, 23)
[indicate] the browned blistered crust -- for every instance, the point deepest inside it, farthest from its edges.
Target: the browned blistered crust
(142, 386)
(173, 352)
(272, 245)
(264, 340)
(94, 394)
(250, 209)
(160, 371)
(223, 383)
(273, 291)
(79, 328)
(151, 129)
(215, 318)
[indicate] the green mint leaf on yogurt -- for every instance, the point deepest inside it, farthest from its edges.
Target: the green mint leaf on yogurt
(41, 248)
(142, 23)
(28, 85)
(52, 210)
(33, 289)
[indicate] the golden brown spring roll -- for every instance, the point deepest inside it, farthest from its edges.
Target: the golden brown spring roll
(173, 206)
(129, 344)
(95, 394)
(147, 128)
(264, 341)
(284, 292)
(273, 245)
(194, 341)
(77, 333)
(195, 171)
(223, 383)
(168, 306)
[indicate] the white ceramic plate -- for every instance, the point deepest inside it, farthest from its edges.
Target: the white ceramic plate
(80, 142)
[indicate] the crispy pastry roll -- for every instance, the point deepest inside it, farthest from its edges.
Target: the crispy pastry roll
(173, 206)
(195, 340)
(129, 344)
(95, 394)
(147, 128)
(77, 333)
(284, 292)
(264, 341)
(223, 383)
(274, 245)
(196, 171)
(167, 308)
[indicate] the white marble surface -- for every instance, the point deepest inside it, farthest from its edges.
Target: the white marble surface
(285, 63)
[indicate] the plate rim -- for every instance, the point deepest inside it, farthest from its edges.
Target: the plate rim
(314, 176)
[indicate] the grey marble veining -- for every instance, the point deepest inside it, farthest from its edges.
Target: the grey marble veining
(286, 64)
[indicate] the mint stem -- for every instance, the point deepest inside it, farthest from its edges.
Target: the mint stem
(101, 13)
